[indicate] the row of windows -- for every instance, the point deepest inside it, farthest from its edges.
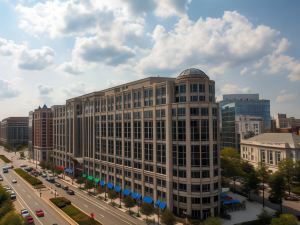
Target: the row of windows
(195, 187)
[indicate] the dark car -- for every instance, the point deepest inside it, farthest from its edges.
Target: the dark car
(274, 200)
(65, 187)
(70, 192)
(57, 184)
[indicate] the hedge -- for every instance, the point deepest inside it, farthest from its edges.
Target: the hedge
(5, 159)
(253, 222)
(30, 179)
(76, 214)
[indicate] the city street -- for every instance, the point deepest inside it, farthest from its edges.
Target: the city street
(29, 199)
(103, 212)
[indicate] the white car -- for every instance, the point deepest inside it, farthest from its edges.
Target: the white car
(1, 178)
(14, 181)
(24, 213)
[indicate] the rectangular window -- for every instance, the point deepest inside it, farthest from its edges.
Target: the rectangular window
(204, 155)
(195, 155)
(161, 153)
(137, 150)
(195, 130)
(204, 130)
(181, 155)
(148, 152)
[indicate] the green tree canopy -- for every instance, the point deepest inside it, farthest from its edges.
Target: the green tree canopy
(251, 178)
(167, 217)
(265, 216)
(112, 194)
(212, 221)
(287, 168)
(277, 185)
(129, 202)
(147, 209)
(285, 219)
(228, 152)
(11, 218)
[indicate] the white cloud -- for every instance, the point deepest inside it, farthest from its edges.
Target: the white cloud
(167, 8)
(76, 89)
(232, 88)
(26, 58)
(286, 97)
(7, 91)
(36, 59)
(212, 42)
(44, 90)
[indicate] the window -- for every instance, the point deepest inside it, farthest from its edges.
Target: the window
(195, 174)
(137, 150)
(148, 130)
(181, 187)
(206, 200)
(181, 130)
(277, 157)
(194, 111)
(127, 149)
(137, 129)
(160, 130)
(205, 187)
(262, 155)
(204, 130)
(215, 129)
(149, 179)
(127, 130)
(182, 173)
(204, 155)
(195, 155)
(196, 188)
(119, 130)
(182, 199)
(196, 201)
(161, 153)
(181, 155)
(215, 155)
(161, 170)
(148, 152)
(204, 111)
(181, 112)
(195, 130)
(270, 157)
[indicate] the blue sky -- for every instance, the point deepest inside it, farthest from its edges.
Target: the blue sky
(54, 50)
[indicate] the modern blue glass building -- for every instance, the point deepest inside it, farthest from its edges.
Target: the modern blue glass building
(234, 105)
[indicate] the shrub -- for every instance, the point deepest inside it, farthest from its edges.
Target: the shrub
(60, 202)
(5, 159)
(30, 179)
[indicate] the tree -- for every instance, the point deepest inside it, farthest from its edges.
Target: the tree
(129, 202)
(212, 221)
(265, 217)
(277, 188)
(80, 180)
(112, 195)
(89, 184)
(263, 175)
(167, 217)
(230, 164)
(11, 218)
(5, 208)
(285, 219)
(147, 209)
(297, 171)
(251, 176)
(287, 168)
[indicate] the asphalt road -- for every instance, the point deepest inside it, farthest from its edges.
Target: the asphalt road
(103, 212)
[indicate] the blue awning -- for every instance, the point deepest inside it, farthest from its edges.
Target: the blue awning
(148, 199)
(162, 205)
(157, 203)
(117, 188)
(139, 196)
(110, 185)
(136, 195)
(126, 192)
(233, 201)
(69, 170)
(102, 183)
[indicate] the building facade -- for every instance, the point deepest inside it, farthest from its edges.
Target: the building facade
(246, 106)
(282, 121)
(30, 135)
(270, 149)
(158, 137)
(43, 134)
(14, 131)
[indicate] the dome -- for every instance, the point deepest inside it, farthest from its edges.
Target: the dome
(192, 73)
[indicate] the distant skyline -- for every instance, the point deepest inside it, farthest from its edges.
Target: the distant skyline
(51, 51)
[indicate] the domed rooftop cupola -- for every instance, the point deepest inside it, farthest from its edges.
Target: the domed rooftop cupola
(192, 73)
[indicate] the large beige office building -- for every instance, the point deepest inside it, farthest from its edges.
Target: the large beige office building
(270, 149)
(158, 137)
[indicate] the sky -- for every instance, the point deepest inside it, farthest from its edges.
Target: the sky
(51, 51)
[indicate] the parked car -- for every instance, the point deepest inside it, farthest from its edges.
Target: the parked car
(29, 220)
(57, 184)
(13, 196)
(1, 178)
(291, 198)
(44, 175)
(273, 199)
(23, 165)
(24, 213)
(39, 213)
(70, 192)
(14, 181)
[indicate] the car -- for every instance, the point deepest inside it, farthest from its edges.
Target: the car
(44, 175)
(291, 198)
(57, 184)
(14, 181)
(29, 220)
(70, 192)
(274, 200)
(13, 196)
(39, 213)
(6, 187)
(1, 178)
(65, 187)
(24, 213)
(23, 165)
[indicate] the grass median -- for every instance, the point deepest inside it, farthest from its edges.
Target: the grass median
(76, 214)
(35, 182)
(5, 159)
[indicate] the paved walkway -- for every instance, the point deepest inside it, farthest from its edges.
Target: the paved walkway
(250, 213)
